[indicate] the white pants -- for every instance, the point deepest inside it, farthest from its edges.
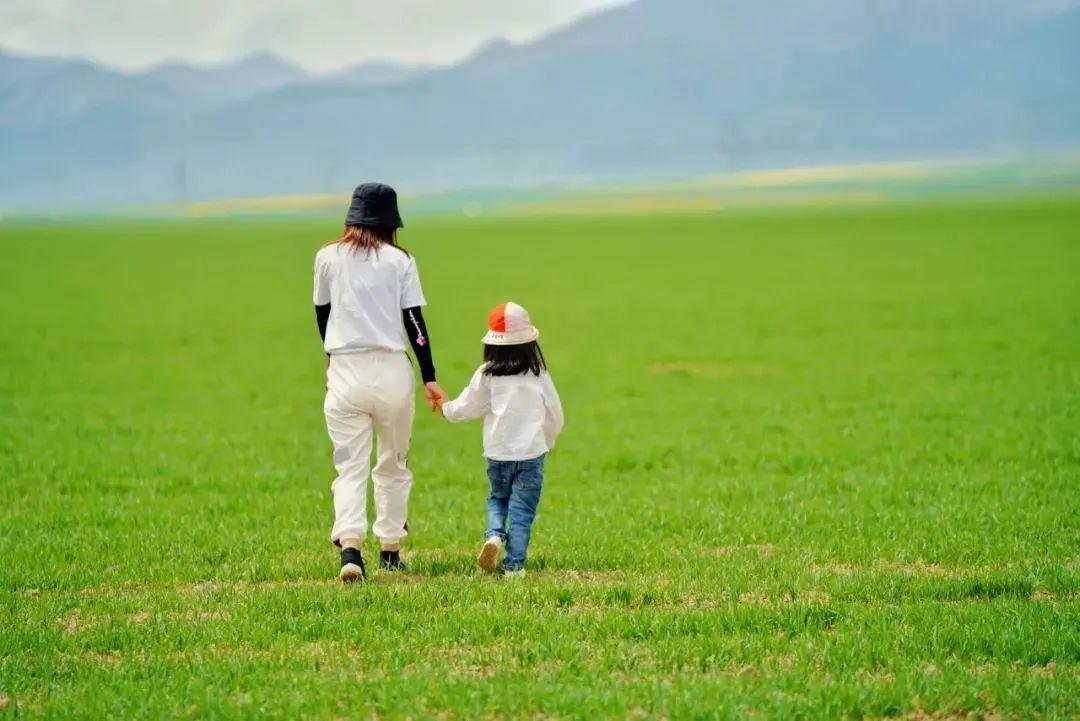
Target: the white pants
(365, 392)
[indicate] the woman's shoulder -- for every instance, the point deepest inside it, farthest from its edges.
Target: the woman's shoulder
(396, 254)
(328, 250)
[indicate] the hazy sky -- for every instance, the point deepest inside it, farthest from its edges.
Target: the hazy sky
(318, 34)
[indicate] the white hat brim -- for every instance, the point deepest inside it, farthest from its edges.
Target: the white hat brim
(517, 337)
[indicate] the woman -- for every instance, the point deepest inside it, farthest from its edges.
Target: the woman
(367, 300)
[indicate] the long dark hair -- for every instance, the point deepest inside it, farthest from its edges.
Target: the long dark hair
(358, 237)
(513, 360)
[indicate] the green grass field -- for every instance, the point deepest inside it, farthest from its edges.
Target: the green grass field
(817, 463)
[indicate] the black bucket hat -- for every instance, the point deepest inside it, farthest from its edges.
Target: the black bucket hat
(374, 205)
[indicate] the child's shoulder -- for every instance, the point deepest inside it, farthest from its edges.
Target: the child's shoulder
(527, 378)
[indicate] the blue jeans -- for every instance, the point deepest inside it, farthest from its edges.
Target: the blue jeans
(511, 506)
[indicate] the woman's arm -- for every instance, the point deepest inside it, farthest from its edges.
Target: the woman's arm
(412, 298)
(322, 317)
(322, 300)
(416, 329)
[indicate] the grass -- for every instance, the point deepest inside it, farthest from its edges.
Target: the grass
(819, 463)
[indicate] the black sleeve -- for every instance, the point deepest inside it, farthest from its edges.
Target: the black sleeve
(416, 329)
(322, 317)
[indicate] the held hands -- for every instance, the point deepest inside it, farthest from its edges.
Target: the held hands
(435, 396)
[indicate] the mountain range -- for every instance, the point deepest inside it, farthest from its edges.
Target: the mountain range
(650, 89)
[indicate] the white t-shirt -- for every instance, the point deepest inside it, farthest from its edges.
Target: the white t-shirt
(366, 290)
(522, 414)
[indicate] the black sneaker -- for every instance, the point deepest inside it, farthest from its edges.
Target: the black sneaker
(352, 566)
(391, 561)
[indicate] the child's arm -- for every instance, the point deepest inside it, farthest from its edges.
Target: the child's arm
(553, 420)
(473, 402)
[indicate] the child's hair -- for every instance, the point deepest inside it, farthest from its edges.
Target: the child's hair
(512, 360)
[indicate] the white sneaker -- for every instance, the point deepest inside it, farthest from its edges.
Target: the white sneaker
(489, 554)
(352, 566)
(514, 575)
(350, 572)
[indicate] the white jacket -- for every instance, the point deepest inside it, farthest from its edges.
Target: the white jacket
(522, 414)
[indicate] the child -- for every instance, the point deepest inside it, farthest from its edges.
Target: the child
(522, 417)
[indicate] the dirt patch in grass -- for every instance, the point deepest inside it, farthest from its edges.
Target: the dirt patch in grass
(942, 715)
(714, 370)
(461, 653)
(837, 569)
(1043, 671)
(586, 576)
(879, 676)
(15, 704)
(890, 566)
(241, 587)
(1045, 595)
(201, 587)
(915, 568)
(141, 617)
(248, 586)
(71, 622)
(99, 658)
(912, 569)
(625, 597)
(325, 651)
(799, 598)
(763, 550)
(1016, 669)
(548, 577)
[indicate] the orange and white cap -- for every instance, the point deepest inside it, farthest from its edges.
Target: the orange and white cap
(509, 324)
